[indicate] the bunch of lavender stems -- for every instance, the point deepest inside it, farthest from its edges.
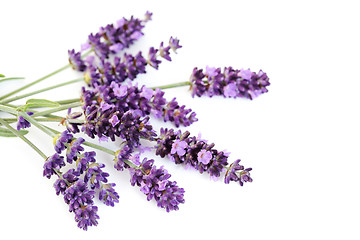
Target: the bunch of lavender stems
(114, 108)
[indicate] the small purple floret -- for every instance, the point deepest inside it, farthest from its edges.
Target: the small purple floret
(164, 52)
(22, 122)
(75, 60)
(174, 44)
(178, 147)
(204, 156)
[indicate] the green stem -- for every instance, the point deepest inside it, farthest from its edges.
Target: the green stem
(98, 147)
(43, 78)
(34, 82)
(9, 105)
(174, 85)
(43, 119)
(63, 102)
(23, 138)
(41, 90)
(8, 109)
(57, 109)
(11, 78)
(13, 111)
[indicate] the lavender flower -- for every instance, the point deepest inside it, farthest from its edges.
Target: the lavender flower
(66, 179)
(164, 51)
(237, 173)
(22, 122)
(52, 165)
(108, 195)
(86, 216)
(174, 44)
(178, 114)
(144, 101)
(204, 156)
(155, 184)
(75, 190)
(115, 37)
(130, 126)
(61, 141)
(196, 153)
(121, 156)
(148, 16)
(178, 147)
(229, 83)
(84, 160)
(129, 66)
(152, 58)
(95, 176)
(71, 126)
(78, 195)
(75, 61)
(73, 150)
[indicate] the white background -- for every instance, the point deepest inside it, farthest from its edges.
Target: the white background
(301, 138)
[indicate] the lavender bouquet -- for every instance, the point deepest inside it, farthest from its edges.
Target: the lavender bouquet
(112, 108)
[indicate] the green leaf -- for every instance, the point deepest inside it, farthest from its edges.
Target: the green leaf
(2, 75)
(41, 103)
(4, 132)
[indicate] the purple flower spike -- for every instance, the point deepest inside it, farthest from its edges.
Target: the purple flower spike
(78, 195)
(229, 83)
(108, 195)
(155, 184)
(86, 216)
(199, 154)
(52, 165)
(115, 37)
(179, 115)
(95, 176)
(22, 123)
(128, 67)
(237, 173)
